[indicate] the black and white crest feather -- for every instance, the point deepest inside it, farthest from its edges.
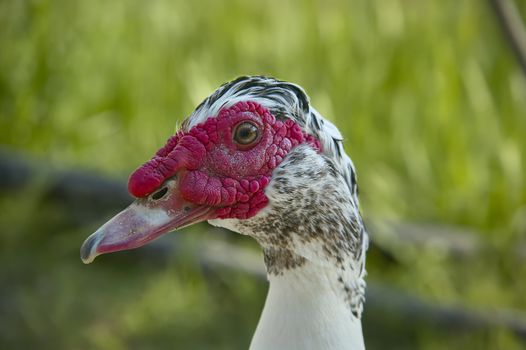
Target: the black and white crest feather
(283, 100)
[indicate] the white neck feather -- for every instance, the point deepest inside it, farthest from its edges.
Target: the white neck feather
(305, 309)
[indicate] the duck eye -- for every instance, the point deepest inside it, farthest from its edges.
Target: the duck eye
(246, 133)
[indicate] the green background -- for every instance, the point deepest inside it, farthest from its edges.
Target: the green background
(427, 93)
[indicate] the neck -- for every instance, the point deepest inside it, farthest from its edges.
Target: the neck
(306, 309)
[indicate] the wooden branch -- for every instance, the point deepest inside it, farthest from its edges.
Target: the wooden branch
(510, 21)
(87, 196)
(457, 242)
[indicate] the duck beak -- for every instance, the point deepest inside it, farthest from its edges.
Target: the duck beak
(143, 221)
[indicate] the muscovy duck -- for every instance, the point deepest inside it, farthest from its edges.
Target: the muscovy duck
(256, 158)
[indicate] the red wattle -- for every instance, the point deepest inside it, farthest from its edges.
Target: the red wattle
(214, 170)
(187, 153)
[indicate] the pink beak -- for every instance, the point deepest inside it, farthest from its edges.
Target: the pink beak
(143, 221)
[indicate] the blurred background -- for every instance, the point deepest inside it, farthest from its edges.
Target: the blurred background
(431, 100)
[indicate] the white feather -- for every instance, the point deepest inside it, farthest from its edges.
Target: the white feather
(304, 310)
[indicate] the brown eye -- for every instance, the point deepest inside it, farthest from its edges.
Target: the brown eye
(246, 133)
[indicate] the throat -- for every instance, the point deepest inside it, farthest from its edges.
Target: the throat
(278, 260)
(306, 308)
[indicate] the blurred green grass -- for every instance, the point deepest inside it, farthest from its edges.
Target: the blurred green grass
(428, 95)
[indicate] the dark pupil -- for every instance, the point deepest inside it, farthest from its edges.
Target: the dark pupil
(246, 133)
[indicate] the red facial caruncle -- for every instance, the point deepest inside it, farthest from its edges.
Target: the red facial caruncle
(214, 169)
(217, 169)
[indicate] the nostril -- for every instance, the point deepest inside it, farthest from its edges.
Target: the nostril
(160, 194)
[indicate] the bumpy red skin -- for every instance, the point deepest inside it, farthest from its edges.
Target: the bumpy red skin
(213, 170)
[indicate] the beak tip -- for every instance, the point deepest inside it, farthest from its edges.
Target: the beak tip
(88, 250)
(87, 261)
